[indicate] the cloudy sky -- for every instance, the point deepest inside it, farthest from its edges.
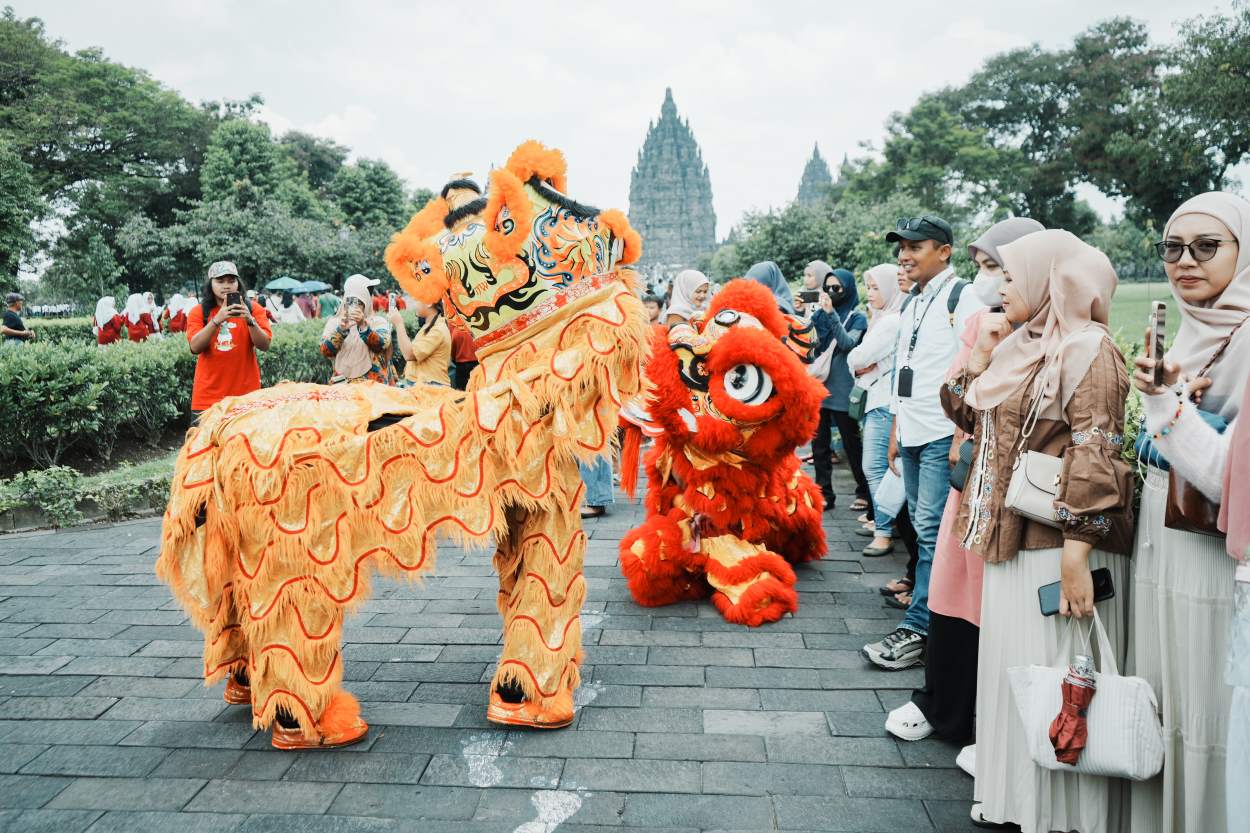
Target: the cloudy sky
(435, 88)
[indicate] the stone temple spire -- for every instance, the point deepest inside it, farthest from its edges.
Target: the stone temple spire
(817, 182)
(670, 195)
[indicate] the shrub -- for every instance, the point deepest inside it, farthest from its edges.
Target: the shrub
(61, 330)
(53, 491)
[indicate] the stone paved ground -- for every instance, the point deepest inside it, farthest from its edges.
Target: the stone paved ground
(687, 723)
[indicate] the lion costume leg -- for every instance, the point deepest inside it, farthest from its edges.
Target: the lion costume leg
(753, 585)
(798, 536)
(541, 591)
(659, 563)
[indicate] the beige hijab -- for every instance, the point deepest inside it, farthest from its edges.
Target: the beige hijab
(885, 276)
(1068, 286)
(1204, 328)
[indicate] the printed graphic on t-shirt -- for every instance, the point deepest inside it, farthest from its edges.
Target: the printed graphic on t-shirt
(225, 340)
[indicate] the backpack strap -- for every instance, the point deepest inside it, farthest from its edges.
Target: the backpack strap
(952, 300)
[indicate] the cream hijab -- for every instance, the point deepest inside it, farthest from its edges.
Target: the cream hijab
(1068, 286)
(136, 306)
(684, 286)
(105, 310)
(1204, 328)
(885, 276)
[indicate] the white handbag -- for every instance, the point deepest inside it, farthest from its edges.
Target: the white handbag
(1034, 485)
(819, 368)
(1125, 736)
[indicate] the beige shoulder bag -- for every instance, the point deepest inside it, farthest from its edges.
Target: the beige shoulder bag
(1034, 485)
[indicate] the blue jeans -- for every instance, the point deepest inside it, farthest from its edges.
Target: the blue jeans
(876, 439)
(598, 479)
(926, 476)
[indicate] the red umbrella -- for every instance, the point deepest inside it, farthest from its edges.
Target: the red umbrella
(1068, 731)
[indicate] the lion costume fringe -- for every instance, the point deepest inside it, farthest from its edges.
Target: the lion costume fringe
(285, 502)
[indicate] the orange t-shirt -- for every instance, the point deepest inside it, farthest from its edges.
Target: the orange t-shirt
(228, 367)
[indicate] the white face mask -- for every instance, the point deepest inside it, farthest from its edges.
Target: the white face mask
(986, 287)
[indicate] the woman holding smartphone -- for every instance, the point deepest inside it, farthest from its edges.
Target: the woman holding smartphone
(225, 334)
(1184, 582)
(1044, 375)
(357, 340)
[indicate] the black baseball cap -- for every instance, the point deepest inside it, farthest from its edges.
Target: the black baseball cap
(926, 227)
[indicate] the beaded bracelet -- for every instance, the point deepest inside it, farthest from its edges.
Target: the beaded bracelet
(1180, 408)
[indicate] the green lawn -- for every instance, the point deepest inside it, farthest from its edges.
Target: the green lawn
(1130, 309)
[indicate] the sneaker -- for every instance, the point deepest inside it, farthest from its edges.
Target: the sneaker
(967, 760)
(899, 650)
(908, 722)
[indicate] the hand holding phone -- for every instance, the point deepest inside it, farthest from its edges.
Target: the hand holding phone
(1158, 332)
(1048, 594)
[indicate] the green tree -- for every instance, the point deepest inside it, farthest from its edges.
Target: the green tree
(242, 165)
(20, 204)
(369, 193)
(318, 159)
(84, 272)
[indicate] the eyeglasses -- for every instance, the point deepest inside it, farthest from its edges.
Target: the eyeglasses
(1201, 250)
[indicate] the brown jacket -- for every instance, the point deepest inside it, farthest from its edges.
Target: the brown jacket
(1096, 484)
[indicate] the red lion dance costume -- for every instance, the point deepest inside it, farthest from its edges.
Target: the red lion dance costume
(286, 501)
(728, 508)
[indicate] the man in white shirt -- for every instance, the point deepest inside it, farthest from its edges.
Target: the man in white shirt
(928, 339)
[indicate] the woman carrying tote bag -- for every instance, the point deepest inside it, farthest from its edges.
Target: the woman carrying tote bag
(1060, 362)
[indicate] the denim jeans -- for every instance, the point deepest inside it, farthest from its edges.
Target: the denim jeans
(876, 440)
(926, 475)
(598, 479)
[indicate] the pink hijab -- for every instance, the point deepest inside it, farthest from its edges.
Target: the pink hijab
(1067, 285)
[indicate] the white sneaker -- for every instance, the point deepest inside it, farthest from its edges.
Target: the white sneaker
(967, 760)
(908, 722)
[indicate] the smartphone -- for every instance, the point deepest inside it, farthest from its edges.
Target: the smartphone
(1158, 331)
(233, 298)
(809, 296)
(904, 381)
(1048, 594)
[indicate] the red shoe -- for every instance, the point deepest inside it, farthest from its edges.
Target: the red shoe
(525, 713)
(237, 693)
(340, 725)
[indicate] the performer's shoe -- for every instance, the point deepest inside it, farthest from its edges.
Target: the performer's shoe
(237, 693)
(525, 713)
(340, 725)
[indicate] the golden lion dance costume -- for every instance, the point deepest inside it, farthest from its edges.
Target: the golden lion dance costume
(728, 510)
(286, 501)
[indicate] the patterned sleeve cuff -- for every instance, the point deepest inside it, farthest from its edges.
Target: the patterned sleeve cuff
(1087, 528)
(1112, 439)
(956, 386)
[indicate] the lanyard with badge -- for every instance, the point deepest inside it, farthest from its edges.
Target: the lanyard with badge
(904, 375)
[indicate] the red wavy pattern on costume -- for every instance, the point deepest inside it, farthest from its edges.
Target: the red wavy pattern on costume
(208, 672)
(564, 636)
(256, 713)
(220, 601)
(442, 427)
(307, 512)
(530, 672)
(277, 454)
(412, 516)
(223, 632)
(356, 567)
(547, 479)
(603, 435)
(546, 539)
(551, 602)
(275, 646)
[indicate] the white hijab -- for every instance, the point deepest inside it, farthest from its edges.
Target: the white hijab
(1204, 328)
(684, 286)
(885, 276)
(176, 303)
(105, 309)
(136, 305)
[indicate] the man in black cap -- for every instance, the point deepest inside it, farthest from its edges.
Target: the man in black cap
(13, 330)
(930, 322)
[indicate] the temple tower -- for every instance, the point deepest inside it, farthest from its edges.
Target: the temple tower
(817, 183)
(670, 195)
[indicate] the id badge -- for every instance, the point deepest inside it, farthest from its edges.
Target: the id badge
(904, 381)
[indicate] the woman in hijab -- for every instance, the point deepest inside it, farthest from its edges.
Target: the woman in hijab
(358, 341)
(769, 274)
(1050, 356)
(946, 704)
(177, 312)
(872, 365)
(1184, 583)
(107, 322)
(839, 327)
(138, 321)
(690, 294)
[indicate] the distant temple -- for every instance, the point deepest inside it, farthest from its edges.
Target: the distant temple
(817, 183)
(670, 196)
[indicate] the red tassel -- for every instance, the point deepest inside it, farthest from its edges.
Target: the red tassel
(631, 445)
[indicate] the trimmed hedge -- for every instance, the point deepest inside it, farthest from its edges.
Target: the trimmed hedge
(58, 397)
(61, 330)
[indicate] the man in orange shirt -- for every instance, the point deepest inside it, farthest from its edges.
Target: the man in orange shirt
(225, 333)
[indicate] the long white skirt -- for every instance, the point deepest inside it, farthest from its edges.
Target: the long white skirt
(1181, 608)
(1009, 785)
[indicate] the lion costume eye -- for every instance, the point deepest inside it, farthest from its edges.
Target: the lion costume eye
(748, 384)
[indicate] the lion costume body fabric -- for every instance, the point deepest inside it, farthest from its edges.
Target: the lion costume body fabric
(728, 510)
(286, 501)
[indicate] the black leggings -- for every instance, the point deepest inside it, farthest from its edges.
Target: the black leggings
(949, 697)
(822, 446)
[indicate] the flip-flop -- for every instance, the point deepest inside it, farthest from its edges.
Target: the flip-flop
(859, 505)
(589, 512)
(896, 602)
(899, 585)
(863, 519)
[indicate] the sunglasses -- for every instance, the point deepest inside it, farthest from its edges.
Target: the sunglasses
(1200, 250)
